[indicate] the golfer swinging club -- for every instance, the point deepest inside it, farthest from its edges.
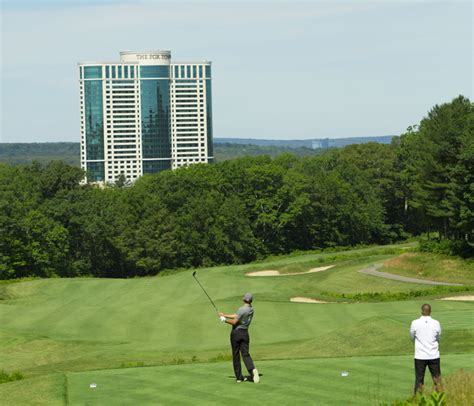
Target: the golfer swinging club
(425, 332)
(239, 338)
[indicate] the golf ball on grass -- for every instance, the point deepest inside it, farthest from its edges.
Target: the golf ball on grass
(344, 373)
(93, 385)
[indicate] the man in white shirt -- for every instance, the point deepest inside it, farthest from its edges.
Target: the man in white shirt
(425, 333)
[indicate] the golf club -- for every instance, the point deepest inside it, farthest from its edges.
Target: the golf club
(194, 275)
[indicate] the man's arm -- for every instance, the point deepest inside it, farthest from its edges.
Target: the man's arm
(229, 316)
(232, 319)
(412, 331)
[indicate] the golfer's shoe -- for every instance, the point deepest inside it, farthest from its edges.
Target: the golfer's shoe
(255, 375)
(241, 380)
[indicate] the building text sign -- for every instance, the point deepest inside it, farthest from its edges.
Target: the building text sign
(148, 57)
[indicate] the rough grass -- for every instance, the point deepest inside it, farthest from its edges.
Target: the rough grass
(458, 390)
(433, 292)
(304, 262)
(10, 377)
(431, 266)
(46, 390)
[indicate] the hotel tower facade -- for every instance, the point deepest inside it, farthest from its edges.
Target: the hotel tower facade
(144, 114)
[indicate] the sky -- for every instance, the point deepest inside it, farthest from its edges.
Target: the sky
(281, 69)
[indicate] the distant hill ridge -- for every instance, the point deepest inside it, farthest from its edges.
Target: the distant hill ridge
(225, 148)
(313, 143)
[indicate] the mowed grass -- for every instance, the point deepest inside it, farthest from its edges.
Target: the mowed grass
(52, 328)
(371, 380)
(296, 382)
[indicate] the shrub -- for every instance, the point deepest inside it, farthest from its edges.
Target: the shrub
(459, 248)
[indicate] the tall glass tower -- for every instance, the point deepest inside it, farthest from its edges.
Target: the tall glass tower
(144, 114)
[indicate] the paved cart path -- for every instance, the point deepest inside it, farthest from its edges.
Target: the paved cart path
(373, 270)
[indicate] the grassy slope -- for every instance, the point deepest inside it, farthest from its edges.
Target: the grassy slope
(51, 327)
(434, 267)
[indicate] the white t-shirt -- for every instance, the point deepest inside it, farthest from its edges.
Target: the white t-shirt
(425, 332)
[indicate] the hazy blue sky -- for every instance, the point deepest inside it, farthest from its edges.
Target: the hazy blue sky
(281, 69)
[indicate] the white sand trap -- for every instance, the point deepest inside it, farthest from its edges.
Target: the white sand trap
(264, 273)
(320, 269)
(277, 273)
(461, 298)
(300, 299)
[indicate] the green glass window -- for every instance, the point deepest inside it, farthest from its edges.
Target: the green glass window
(125, 70)
(113, 72)
(200, 71)
(188, 71)
(80, 72)
(124, 136)
(182, 71)
(210, 146)
(119, 73)
(154, 72)
(94, 119)
(194, 71)
(156, 166)
(107, 72)
(95, 171)
(155, 118)
(208, 71)
(132, 72)
(93, 72)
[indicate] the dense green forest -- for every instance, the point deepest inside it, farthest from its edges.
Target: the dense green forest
(238, 210)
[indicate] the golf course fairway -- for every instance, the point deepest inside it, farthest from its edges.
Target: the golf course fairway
(158, 341)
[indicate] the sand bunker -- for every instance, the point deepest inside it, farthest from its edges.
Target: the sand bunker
(277, 273)
(264, 273)
(321, 268)
(299, 299)
(461, 298)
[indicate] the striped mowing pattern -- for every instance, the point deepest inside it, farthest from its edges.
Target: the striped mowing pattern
(291, 382)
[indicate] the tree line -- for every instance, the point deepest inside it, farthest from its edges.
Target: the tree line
(239, 210)
(68, 152)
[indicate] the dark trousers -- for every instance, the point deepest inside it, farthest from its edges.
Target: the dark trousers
(240, 341)
(420, 368)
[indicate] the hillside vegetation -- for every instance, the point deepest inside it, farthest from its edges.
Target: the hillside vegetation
(240, 210)
(69, 152)
(224, 149)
